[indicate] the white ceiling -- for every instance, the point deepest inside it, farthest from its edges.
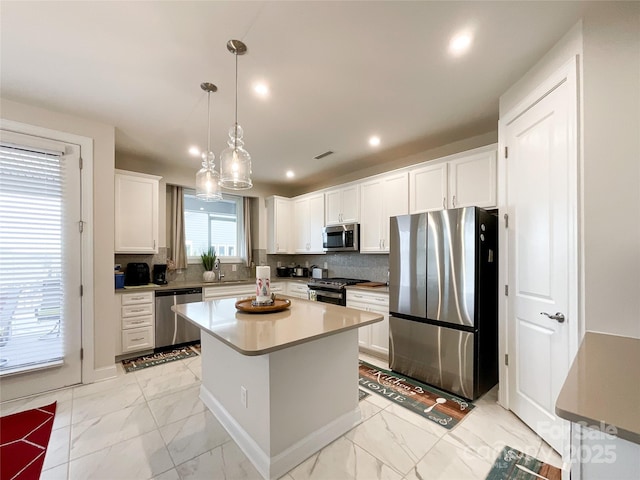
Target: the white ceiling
(338, 73)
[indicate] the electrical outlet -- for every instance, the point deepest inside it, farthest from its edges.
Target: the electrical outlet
(326, 265)
(279, 264)
(243, 396)
(234, 268)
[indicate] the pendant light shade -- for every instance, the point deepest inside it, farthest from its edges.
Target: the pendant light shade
(207, 179)
(235, 161)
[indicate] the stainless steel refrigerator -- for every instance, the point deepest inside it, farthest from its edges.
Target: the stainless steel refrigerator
(443, 296)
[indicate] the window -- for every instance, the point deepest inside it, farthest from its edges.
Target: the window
(213, 224)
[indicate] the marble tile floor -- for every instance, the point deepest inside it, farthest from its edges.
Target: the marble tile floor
(150, 424)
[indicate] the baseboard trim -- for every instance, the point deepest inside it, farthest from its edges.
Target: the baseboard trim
(274, 467)
(103, 373)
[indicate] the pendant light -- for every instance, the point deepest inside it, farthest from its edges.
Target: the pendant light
(235, 161)
(207, 179)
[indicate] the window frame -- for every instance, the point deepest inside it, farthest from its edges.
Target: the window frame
(240, 233)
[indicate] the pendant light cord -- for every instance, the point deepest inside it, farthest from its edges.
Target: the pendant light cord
(208, 124)
(235, 137)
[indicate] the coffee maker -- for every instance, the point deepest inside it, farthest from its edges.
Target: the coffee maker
(160, 274)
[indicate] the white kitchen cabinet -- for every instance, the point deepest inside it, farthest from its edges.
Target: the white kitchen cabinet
(136, 212)
(279, 228)
(373, 338)
(381, 198)
(298, 290)
(239, 291)
(472, 180)
(342, 205)
(136, 330)
(308, 214)
(428, 188)
(462, 180)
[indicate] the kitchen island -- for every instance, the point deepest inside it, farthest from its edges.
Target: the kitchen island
(283, 384)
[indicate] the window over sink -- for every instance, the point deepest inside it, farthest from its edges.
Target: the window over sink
(214, 224)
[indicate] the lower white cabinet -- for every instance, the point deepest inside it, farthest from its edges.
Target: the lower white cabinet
(375, 337)
(137, 322)
(298, 290)
(239, 291)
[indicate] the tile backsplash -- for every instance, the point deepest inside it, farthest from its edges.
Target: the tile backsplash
(344, 264)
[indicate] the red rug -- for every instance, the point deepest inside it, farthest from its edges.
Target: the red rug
(25, 436)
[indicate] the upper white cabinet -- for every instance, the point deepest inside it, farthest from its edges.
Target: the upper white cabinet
(381, 198)
(136, 212)
(279, 227)
(428, 188)
(308, 214)
(342, 205)
(466, 180)
(472, 181)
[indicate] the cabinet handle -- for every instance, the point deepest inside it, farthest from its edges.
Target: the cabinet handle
(137, 310)
(454, 201)
(444, 202)
(137, 298)
(138, 321)
(137, 339)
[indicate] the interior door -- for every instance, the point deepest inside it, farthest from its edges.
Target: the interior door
(40, 265)
(541, 274)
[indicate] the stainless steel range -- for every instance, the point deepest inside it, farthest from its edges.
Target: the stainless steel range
(331, 290)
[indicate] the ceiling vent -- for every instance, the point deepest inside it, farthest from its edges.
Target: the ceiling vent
(322, 155)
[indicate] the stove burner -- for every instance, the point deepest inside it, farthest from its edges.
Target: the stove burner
(334, 283)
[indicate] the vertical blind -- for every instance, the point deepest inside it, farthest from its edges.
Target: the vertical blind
(32, 193)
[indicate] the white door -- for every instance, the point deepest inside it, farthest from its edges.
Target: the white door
(40, 265)
(542, 205)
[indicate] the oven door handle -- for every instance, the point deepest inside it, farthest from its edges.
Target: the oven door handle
(324, 293)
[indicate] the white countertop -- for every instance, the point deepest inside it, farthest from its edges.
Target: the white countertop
(258, 334)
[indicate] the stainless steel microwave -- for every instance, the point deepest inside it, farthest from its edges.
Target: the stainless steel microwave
(341, 238)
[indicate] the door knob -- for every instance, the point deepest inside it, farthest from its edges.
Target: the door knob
(559, 317)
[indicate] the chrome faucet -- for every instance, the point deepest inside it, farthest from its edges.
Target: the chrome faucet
(216, 267)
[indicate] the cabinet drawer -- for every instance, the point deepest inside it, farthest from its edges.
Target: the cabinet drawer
(137, 339)
(137, 310)
(376, 299)
(136, 298)
(134, 322)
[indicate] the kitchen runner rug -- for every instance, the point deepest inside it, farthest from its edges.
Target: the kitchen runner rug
(25, 436)
(512, 464)
(134, 364)
(440, 407)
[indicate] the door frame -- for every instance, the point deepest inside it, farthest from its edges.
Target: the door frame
(87, 371)
(568, 73)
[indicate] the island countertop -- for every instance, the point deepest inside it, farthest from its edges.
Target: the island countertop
(258, 334)
(602, 385)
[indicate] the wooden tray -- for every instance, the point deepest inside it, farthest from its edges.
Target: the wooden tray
(279, 304)
(371, 284)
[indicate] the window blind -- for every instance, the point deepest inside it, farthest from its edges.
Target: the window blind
(32, 192)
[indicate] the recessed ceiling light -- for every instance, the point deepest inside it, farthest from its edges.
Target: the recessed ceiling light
(460, 43)
(290, 174)
(374, 141)
(261, 89)
(195, 151)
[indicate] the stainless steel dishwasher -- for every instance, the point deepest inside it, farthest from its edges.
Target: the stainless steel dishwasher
(171, 329)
